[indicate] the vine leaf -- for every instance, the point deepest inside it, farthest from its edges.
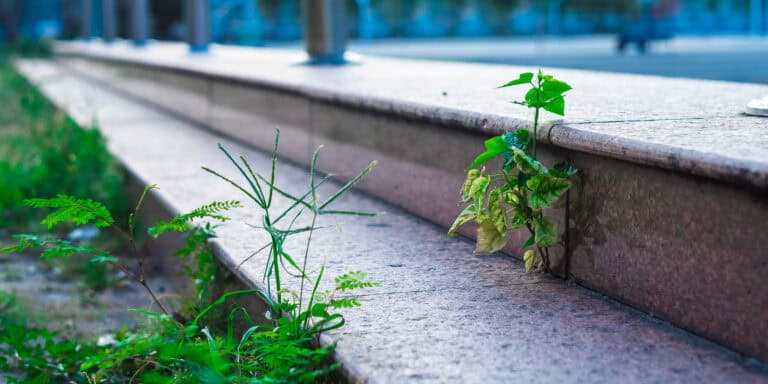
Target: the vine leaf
(494, 146)
(523, 78)
(530, 258)
(545, 233)
(556, 106)
(526, 163)
(467, 215)
(552, 88)
(519, 139)
(477, 192)
(563, 170)
(472, 174)
(489, 238)
(545, 189)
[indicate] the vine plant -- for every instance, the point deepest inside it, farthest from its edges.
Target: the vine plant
(516, 196)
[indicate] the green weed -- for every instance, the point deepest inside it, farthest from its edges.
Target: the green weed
(43, 153)
(517, 195)
(190, 347)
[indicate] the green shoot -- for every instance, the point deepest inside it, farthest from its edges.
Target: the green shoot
(517, 196)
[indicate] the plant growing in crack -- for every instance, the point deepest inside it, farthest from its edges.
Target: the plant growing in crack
(515, 197)
(204, 341)
(304, 315)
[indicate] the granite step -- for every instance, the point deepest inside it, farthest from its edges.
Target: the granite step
(667, 214)
(442, 314)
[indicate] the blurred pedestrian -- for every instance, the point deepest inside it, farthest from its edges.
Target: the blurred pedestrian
(647, 20)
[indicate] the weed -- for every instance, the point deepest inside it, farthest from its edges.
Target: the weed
(178, 347)
(517, 195)
(43, 153)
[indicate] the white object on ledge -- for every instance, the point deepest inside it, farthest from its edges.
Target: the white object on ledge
(758, 107)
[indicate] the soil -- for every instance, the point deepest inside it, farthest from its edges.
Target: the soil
(51, 293)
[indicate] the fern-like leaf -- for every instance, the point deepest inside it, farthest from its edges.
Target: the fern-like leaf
(182, 223)
(26, 242)
(74, 210)
(345, 302)
(55, 248)
(354, 280)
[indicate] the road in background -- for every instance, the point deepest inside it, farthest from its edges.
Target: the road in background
(730, 58)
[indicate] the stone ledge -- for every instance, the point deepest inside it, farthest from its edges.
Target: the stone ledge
(442, 314)
(452, 94)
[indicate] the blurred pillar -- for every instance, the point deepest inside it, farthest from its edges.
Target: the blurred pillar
(9, 20)
(139, 22)
(86, 19)
(109, 20)
(756, 16)
(252, 30)
(325, 30)
(198, 19)
(554, 13)
(364, 20)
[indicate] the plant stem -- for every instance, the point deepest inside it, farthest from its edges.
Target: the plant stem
(275, 263)
(304, 266)
(535, 130)
(141, 277)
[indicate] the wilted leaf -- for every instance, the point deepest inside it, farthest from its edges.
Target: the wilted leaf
(464, 217)
(489, 238)
(472, 174)
(477, 192)
(530, 258)
(496, 211)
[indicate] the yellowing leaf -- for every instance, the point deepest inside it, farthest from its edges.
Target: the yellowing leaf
(526, 163)
(464, 217)
(530, 258)
(496, 211)
(489, 238)
(477, 192)
(472, 174)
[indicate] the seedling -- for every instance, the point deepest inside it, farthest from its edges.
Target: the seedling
(516, 196)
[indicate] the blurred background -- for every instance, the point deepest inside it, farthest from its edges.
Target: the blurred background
(713, 39)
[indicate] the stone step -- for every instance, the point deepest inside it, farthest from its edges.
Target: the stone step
(668, 212)
(442, 314)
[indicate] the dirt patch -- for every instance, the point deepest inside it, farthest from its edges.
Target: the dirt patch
(50, 293)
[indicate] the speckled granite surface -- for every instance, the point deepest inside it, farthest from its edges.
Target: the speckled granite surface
(692, 126)
(442, 314)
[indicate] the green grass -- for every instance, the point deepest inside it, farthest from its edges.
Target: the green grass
(43, 152)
